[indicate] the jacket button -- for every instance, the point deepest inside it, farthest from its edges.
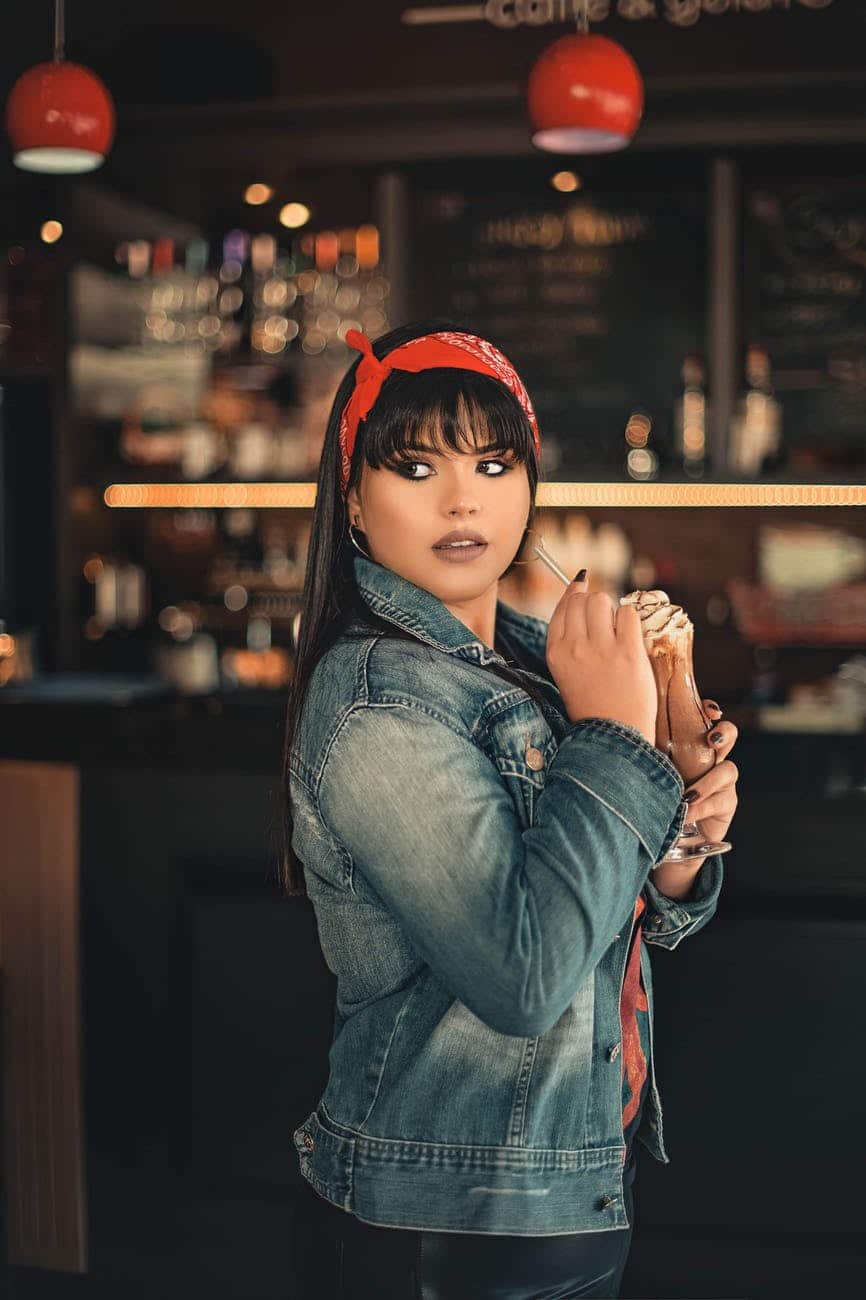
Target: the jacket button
(309, 1142)
(613, 1052)
(656, 922)
(534, 758)
(608, 1201)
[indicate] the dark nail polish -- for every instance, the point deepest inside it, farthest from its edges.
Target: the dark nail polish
(716, 737)
(691, 795)
(580, 576)
(713, 705)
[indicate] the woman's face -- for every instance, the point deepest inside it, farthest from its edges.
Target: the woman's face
(405, 512)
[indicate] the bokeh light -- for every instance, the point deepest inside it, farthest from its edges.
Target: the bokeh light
(566, 182)
(257, 194)
(294, 215)
(235, 597)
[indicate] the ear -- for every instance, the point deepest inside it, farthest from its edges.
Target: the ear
(353, 508)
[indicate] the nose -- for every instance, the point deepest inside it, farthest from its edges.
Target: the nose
(463, 505)
(461, 496)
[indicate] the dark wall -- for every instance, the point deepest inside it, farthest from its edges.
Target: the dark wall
(28, 578)
(269, 48)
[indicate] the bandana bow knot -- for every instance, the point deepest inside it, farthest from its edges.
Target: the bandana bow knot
(370, 375)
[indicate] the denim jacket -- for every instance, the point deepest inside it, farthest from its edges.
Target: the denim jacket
(473, 859)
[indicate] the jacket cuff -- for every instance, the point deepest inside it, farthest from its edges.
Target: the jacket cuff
(617, 764)
(669, 920)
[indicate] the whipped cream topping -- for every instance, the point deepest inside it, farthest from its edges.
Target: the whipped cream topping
(659, 618)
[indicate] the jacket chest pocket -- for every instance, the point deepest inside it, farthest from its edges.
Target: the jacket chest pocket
(523, 746)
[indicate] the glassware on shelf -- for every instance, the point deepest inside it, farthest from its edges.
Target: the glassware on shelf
(690, 417)
(756, 427)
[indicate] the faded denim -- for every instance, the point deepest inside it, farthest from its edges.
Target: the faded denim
(473, 859)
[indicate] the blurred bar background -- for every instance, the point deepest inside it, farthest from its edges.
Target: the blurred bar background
(689, 316)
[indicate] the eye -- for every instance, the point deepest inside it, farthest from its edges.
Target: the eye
(404, 467)
(504, 466)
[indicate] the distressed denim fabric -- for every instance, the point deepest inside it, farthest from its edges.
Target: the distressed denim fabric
(473, 859)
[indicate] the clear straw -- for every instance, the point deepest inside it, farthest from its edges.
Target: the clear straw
(551, 564)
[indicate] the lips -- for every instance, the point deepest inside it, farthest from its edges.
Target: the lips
(463, 554)
(459, 535)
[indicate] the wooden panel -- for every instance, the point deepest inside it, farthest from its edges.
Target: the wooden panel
(44, 1204)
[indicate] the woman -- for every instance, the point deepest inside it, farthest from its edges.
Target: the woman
(476, 804)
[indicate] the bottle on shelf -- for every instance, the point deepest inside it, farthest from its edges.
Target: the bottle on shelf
(690, 417)
(755, 441)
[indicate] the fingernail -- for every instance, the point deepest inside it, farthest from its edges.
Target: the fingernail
(579, 577)
(713, 705)
(691, 795)
(716, 737)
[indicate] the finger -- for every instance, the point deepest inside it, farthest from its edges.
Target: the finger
(574, 625)
(628, 626)
(711, 707)
(718, 805)
(719, 778)
(600, 617)
(556, 623)
(722, 737)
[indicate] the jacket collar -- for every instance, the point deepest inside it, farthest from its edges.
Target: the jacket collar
(400, 601)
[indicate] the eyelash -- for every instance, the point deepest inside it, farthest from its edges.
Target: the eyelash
(496, 460)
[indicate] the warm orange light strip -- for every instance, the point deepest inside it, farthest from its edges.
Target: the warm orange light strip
(210, 496)
(701, 494)
(287, 496)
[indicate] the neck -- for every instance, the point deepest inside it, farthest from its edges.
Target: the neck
(478, 614)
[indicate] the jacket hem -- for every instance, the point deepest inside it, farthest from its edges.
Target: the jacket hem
(443, 1187)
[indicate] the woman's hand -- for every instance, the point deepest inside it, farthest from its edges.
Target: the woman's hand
(716, 804)
(597, 658)
(712, 810)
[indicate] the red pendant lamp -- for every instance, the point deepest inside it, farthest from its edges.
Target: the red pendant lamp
(59, 115)
(584, 94)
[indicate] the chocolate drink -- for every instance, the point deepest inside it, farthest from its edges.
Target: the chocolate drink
(681, 724)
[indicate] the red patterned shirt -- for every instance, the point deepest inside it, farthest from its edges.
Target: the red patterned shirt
(633, 1000)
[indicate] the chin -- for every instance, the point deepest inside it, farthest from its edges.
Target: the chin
(460, 585)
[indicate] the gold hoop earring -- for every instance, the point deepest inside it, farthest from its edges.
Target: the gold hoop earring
(355, 544)
(535, 557)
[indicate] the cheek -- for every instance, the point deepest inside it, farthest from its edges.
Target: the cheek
(394, 513)
(519, 497)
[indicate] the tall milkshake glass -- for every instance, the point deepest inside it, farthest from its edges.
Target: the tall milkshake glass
(681, 723)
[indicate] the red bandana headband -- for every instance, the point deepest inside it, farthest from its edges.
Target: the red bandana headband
(450, 348)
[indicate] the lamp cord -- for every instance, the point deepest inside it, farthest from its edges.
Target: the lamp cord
(59, 31)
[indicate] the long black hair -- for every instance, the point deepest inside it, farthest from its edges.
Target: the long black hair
(409, 406)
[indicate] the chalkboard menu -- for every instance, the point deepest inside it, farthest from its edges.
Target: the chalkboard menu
(805, 304)
(597, 299)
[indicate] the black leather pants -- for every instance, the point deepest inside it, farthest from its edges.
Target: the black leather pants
(339, 1257)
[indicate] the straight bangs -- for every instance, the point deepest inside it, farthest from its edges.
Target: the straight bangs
(443, 409)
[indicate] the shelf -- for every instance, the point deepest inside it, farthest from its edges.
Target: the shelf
(827, 618)
(584, 495)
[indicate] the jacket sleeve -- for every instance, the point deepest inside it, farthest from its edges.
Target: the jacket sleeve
(670, 920)
(512, 919)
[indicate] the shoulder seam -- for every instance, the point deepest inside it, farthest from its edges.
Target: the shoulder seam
(367, 705)
(362, 679)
